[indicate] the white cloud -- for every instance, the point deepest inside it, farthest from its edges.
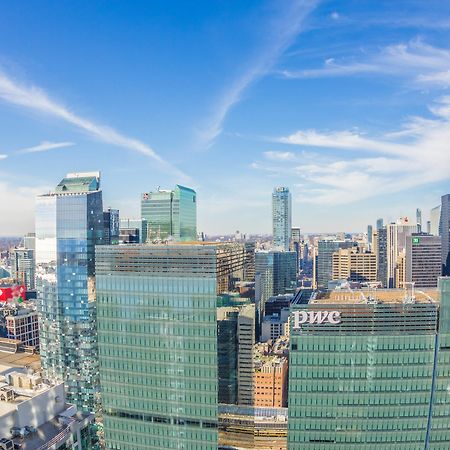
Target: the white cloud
(282, 33)
(393, 166)
(3, 156)
(416, 59)
(36, 99)
(279, 156)
(45, 146)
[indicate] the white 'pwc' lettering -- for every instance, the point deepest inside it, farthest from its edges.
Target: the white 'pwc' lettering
(316, 317)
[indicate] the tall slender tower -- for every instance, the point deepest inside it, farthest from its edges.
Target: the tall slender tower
(69, 223)
(444, 232)
(281, 218)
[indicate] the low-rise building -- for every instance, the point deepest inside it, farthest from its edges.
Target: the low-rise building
(33, 411)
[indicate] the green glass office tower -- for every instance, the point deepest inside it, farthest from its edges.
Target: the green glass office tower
(158, 342)
(170, 214)
(370, 374)
(69, 223)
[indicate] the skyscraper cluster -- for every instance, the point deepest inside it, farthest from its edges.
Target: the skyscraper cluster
(319, 341)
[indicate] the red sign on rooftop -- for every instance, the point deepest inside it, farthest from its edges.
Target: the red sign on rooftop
(10, 293)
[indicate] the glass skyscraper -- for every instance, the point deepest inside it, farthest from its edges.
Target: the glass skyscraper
(325, 260)
(281, 218)
(157, 328)
(444, 232)
(170, 214)
(370, 374)
(69, 223)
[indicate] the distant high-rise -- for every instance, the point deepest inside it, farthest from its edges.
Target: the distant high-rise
(69, 223)
(170, 214)
(380, 224)
(111, 226)
(444, 232)
(382, 255)
(397, 234)
(157, 328)
(326, 248)
(23, 266)
(423, 260)
(419, 220)
(369, 235)
(281, 218)
(435, 218)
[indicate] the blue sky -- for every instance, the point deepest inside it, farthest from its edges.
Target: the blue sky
(346, 103)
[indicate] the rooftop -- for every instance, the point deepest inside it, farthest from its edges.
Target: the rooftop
(376, 296)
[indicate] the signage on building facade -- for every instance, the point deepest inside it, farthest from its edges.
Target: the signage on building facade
(315, 317)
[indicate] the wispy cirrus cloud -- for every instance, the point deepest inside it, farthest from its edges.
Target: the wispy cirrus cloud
(36, 99)
(389, 164)
(282, 33)
(45, 146)
(416, 59)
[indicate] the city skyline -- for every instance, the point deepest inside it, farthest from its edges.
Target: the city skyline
(230, 100)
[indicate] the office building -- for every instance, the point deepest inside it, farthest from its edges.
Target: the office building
(296, 245)
(132, 231)
(34, 414)
(369, 235)
(397, 234)
(281, 218)
(275, 326)
(423, 260)
(23, 266)
(435, 218)
(249, 263)
(276, 275)
(20, 323)
(170, 214)
(326, 248)
(111, 226)
(380, 223)
(271, 381)
(69, 223)
(370, 370)
(350, 264)
(419, 220)
(444, 233)
(157, 328)
(246, 341)
(382, 256)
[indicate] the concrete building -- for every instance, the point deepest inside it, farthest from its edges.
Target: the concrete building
(34, 414)
(132, 231)
(281, 218)
(157, 328)
(23, 266)
(271, 381)
(350, 264)
(170, 214)
(21, 323)
(69, 223)
(276, 325)
(397, 234)
(246, 342)
(423, 260)
(382, 256)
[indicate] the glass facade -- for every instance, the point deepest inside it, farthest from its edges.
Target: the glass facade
(68, 226)
(158, 343)
(281, 218)
(378, 379)
(325, 260)
(170, 214)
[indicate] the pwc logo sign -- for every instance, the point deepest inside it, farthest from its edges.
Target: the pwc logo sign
(315, 317)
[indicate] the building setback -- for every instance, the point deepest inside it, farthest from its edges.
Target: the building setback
(157, 327)
(423, 260)
(370, 374)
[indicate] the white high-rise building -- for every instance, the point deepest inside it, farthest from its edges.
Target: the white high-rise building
(435, 216)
